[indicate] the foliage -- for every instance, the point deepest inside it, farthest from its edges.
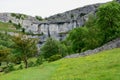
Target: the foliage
(54, 57)
(5, 40)
(98, 29)
(39, 60)
(108, 20)
(19, 16)
(53, 47)
(39, 18)
(5, 48)
(18, 26)
(4, 52)
(67, 44)
(91, 22)
(63, 49)
(7, 27)
(20, 67)
(31, 64)
(77, 37)
(49, 48)
(9, 68)
(25, 47)
(99, 66)
(93, 38)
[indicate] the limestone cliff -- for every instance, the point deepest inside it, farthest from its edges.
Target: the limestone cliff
(56, 26)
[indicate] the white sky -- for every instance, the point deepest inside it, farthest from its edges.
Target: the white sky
(43, 8)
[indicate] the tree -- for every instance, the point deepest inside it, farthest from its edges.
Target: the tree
(53, 47)
(77, 37)
(93, 38)
(91, 21)
(5, 47)
(50, 48)
(25, 47)
(4, 52)
(108, 20)
(5, 40)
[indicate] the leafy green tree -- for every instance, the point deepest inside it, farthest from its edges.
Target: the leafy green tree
(53, 47)
(93, 38)
(5, 40)
(50, 48)
(63, 49)
(77, 37)
(25, 47)
(5, 47)
(108, 20)
(4, 52)
(67, 45)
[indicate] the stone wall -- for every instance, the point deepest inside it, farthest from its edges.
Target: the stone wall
(110, 45)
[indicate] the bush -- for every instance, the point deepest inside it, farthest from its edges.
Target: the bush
(1, 69)
(9, 68)
(39, 61)
(50, 48)
(54, 57)
(20, 67)
(31, 64)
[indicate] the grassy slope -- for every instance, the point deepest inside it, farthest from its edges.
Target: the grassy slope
(104, 66)
(7, 27)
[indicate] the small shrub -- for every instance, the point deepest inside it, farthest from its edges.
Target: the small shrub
(39, 18)
(10, 21)
(54, 57)
(20, 67)
(1, 69)
(31, 64)
(39, 61)
(9, 68)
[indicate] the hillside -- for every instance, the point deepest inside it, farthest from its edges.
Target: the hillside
(7, 27)
(57, 25)
(102, 66)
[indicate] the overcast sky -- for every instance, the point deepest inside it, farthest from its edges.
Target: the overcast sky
(43, 8)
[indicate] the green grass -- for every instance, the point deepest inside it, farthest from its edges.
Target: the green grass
(8, 27)
(104, 66)
(34, 73)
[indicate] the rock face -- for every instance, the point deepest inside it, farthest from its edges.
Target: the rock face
(79, 14)
(110, 45)
(26, 22)
(118, 1)
(56, 26)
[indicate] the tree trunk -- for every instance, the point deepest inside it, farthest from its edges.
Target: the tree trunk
(7, 63)
(26, 63)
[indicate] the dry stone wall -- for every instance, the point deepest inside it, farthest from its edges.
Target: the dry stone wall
(110, 45)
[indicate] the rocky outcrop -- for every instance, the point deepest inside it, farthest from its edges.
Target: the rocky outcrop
(118, 1)
(110, 45)
(56, 26)
(79, 14)
(60, 24)
(26, 22)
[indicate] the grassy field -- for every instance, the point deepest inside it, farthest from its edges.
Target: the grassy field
(8, 27)
(104, 66)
